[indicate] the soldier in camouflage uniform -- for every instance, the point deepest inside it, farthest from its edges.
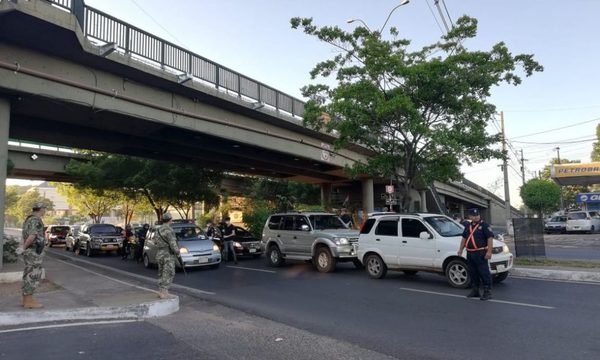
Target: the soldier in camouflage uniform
(33, 245)
(167, 250)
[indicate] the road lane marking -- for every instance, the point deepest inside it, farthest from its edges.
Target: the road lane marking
(103, 322)
(253, 269)
(596, 283)
(137, 276)
(464, 297)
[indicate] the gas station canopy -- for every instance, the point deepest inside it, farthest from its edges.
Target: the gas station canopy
(576, 174)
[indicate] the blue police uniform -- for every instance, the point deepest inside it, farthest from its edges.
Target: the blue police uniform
(476, 246)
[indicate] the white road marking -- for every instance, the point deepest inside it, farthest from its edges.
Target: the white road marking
(596, 283)
(127, 273)
(103, 322)
(464, 297)
(253, 269)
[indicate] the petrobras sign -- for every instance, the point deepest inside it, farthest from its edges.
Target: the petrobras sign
(587, 197)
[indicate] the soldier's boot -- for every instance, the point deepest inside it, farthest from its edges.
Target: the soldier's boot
(30, 303)
(163, 294)
(474, 293)
(487, 294)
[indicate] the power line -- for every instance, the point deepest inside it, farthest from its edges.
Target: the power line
(556, 142)
(434, 17)
(554, 109)
(157, 23)
(555, 129)
(446, 8)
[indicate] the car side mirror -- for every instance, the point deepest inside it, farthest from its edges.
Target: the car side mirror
(424, 235)
(305, 227)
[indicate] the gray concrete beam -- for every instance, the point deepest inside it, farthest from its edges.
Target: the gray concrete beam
(4, 127)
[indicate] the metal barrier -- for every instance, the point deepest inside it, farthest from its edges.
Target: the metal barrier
(129, 39)
(529, 237)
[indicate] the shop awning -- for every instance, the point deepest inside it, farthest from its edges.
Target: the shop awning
(576, 174)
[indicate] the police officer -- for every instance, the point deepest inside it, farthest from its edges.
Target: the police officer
(478, 240)
(167, 251)
(33, 247)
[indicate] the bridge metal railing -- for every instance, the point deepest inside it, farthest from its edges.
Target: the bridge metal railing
(106, 29)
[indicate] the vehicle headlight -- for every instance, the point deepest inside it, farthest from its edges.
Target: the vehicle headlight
(216, 247)
(341, 241)
(237, 245)
(183, 250)
(505, 249)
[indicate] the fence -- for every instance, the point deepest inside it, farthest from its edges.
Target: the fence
(129, 39)
(529, 237)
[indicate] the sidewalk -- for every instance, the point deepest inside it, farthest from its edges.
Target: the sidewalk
(71, 292)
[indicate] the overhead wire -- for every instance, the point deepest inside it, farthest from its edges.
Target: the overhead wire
(435, 17)
(556, 129)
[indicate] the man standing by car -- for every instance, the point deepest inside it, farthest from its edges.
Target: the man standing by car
(141, 240)
(33, 246)
(346, 218)
(228, 235)
(167, 250)
(478, 239)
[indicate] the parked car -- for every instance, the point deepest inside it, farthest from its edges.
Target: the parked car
(95, 238)
(245, 244)
(56, 234)
(194, 247)
(556, 224)
(72, 238)
(422, 242)
(584, 221)
(318, 237)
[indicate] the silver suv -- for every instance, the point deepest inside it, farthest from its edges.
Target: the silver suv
(318, 237)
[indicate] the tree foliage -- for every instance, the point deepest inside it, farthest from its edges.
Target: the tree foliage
(163, 184)
(94, 203)
(22, 208)
(541, 195)
(422, 112)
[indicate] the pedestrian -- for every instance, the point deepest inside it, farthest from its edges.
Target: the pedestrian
(213, 233)
(128, 234)
(228, 234)
(346, 218)
(478, 239)
(33, 247)
(141, 240)
(167, 251)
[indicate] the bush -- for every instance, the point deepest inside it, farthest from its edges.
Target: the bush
(256, 213)
(9, 250)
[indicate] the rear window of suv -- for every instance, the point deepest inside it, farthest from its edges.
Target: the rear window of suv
(577, 216)
(368, 225)
(387, 228)
(274, 222)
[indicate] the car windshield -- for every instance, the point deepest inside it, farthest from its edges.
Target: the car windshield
(576, 216)
(322, 222)
(105, 229)
(558, 219)
(444, 226)
(60, 230)
(188, 233)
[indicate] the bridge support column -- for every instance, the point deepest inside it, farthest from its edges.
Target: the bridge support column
(368, 201)
(423, 194)
(326, 196)
(4, 128)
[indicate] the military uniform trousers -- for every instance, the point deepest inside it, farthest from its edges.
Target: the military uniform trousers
(166, 269)
(32, 274)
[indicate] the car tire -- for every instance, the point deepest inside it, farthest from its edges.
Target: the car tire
(147, 263)
(592, 229)
(498, 278)
(375, 266)
(410, 272)
(457, 274)
(88, 250)
(358, 264)
(274, 257)
(323, 260)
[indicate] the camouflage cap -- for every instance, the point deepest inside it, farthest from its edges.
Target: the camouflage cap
(38, 206)
(167, 217)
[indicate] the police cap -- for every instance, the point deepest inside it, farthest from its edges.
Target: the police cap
(474, 212)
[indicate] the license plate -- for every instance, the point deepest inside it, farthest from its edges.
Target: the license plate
(109, 247)
(202, 260)
(500, 267)
(252, 250)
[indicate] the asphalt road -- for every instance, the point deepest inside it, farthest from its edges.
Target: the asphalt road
(405, 316)
(572, 246)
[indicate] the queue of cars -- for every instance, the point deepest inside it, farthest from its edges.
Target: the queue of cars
(572, 222)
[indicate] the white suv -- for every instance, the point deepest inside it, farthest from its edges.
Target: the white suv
(588, 221)
(422, 242)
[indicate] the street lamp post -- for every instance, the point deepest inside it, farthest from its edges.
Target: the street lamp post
(404, 2)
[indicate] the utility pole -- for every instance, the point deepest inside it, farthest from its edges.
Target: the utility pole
(523, 176)
(562, 202)
(507, 209)
(437, 4)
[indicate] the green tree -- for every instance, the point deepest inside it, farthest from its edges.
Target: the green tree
(423, 113)
(541, 195)
(569, 192)
(285, 195)
(93, 203)
(23, 206)
(255, 215)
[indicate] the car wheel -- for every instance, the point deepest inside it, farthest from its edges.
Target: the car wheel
(457, 274)
(358, 264)
(498, 278)
(592, 230)
(323, 260)
(147, 263)
(410, 272)
(88, 250)
(376, 268)
(274, 257)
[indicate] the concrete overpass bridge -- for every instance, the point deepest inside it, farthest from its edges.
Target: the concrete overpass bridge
(73, 76)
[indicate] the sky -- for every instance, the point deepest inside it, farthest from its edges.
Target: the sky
(254, 37)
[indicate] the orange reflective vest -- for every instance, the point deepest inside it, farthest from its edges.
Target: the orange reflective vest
(471, 245)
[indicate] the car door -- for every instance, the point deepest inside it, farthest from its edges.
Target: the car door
(387, 240)
(285, 235)
(416, 252)
(303, 239)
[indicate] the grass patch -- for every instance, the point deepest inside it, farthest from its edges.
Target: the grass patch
(552, 262)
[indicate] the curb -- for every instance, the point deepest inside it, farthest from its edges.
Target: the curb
(141, 311)
(562, 275)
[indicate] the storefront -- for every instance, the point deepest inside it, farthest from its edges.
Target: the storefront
(588, 201)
